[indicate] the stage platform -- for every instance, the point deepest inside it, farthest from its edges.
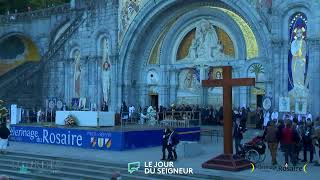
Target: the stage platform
(115, 138)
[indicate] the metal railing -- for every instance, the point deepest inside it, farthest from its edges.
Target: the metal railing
(25, 16)
(26, 73)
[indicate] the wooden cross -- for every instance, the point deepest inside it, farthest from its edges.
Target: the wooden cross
(227, 82)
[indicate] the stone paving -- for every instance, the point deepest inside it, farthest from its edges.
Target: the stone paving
(209, 148)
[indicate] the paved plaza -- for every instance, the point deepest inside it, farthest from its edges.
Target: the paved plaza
(209, 147)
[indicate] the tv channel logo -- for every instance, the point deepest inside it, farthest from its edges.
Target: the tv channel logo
(133, 166)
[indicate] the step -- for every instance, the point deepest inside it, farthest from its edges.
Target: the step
(53, 174)
(57, 167)
(70, 167)
(91, 169)
(67, 161)
(20, 176)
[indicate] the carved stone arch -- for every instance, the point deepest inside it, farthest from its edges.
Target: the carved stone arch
(290, 9)
(260, 30)
(155, 13)
(99, 36)
(257, 64)
(72, 51)
(27, 35)
(264, 64)
(186, 22)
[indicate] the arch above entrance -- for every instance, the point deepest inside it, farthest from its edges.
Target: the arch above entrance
(152, 19)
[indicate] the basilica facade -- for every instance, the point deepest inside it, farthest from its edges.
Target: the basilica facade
(157, 52)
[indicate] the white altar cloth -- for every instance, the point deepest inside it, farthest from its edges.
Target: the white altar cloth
(87, 118)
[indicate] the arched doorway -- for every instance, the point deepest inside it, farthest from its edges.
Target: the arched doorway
(158, 32)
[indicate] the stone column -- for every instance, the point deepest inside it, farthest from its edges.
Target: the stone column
(92, 82)
(314, 76)
(142, 92)
(204, 90)
(113, 106)
(84, 78)
(174, 83)
(240, 95)
(277, 66)
(68, 77)
(164, 91)
(60, 79)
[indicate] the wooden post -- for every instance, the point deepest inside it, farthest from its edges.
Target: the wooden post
(226, 161)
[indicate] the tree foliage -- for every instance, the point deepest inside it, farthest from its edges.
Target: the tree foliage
(22, 5)
(3, 111)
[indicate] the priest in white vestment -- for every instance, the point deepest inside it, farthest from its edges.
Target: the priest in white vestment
(151, 114)
(275, 116)
(266, 119)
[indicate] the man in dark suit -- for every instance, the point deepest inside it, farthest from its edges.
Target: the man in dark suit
(238, 131)
(165, 138)
(173, 141)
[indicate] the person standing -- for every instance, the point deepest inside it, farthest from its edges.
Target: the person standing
(297, 140)
(173, 141)
(266, 119)
(309, 116)
(275, 116)
(165, 138)
(317, 138)
(258, 117)
(272, 140)
(280, 126)
(243, 114)
(131, 110)
(238, 134)
(307, 135)
(288, 143)
(39, 116)
(4, 135)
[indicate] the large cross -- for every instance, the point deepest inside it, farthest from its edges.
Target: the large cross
(227, 83)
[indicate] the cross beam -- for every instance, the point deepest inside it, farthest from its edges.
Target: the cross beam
(227, 161)
(227, 83)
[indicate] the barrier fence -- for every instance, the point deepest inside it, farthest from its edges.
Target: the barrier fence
(157, 119)
(161, 119)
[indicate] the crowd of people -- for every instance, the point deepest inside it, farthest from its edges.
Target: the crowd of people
(208, 115)
(294, 136)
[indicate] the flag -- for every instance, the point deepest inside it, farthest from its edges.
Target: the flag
(93, 141)
(100, 142)
(108, 142)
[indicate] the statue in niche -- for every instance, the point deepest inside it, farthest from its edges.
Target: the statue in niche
(193, 50)
(205, 45)
(299, 51)
(106, 73)
(77, 72)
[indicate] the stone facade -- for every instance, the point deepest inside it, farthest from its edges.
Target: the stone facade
(144, 38)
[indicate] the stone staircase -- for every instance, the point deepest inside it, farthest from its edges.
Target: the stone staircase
(33, 166)
(15, 77)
